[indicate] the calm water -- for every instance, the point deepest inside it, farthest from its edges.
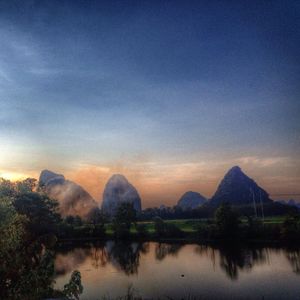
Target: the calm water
(155, 270)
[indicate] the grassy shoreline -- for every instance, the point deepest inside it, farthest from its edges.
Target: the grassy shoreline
(190, 233)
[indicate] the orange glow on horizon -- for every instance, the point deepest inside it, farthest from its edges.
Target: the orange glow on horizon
(14, 176)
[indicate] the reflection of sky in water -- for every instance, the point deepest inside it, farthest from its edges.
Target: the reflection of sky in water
(154, 270)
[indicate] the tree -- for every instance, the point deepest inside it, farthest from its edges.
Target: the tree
(97, 219)
(12, 228)
(96, 216)
(69, 220)
(77, 221)
(290, 229)
(159, 226)
(74, 288)
(124, 217)
(40, 210)
(227, 221)
(26, 186)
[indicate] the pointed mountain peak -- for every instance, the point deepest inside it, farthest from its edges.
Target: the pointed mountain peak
(238, 189)
(191, 200)
(235, 169)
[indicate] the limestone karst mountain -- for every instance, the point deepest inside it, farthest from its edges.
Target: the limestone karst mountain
(72, 198)
(191, 200)
(237, 188)
(119, 190)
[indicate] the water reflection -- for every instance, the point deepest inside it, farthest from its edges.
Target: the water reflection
(123, 256)
(109, 268)
(293, 257)
(233, 259)
(162, 250)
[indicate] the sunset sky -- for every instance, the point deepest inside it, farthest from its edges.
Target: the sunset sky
(169, 93)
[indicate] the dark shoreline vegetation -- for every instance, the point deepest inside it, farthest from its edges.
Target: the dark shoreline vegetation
(31, 228)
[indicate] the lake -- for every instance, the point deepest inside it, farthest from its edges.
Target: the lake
(177, 271)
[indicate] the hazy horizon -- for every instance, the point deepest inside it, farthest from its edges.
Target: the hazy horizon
(170, 94)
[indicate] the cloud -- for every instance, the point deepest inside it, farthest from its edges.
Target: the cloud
(261, 161)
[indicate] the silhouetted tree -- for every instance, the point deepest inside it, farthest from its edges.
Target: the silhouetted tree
(227, 221)
(290, 229)
(159, 226)
(40, 210)
(124, 217)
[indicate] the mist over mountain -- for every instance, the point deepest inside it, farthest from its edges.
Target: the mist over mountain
(72, 198)
(237, 188)
(118, 190)
(191, 200)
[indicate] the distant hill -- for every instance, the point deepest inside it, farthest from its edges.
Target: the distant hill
(237, 188)
(73, 199)
(191, 200)
(290, 202)
(118, 190)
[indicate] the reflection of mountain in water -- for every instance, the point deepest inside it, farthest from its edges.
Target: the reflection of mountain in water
(123, 256)
(232, 260)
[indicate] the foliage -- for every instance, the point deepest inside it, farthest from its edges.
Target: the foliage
(40, 210)
(290, 229)
(74, 288)
(97, 219)
(163, 229)
(26, 269)
(12, 228)
(124, 217)
(159, 226)
(227, 221)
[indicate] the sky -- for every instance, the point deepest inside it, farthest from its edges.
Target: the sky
(169, 93)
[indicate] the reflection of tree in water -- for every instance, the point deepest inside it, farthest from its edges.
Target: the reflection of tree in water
(234, 258)
(293, 257)
(126, 256)
(163, 249)
(208, 252)
(99, 256)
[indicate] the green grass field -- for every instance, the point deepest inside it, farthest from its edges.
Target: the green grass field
(190, 225)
